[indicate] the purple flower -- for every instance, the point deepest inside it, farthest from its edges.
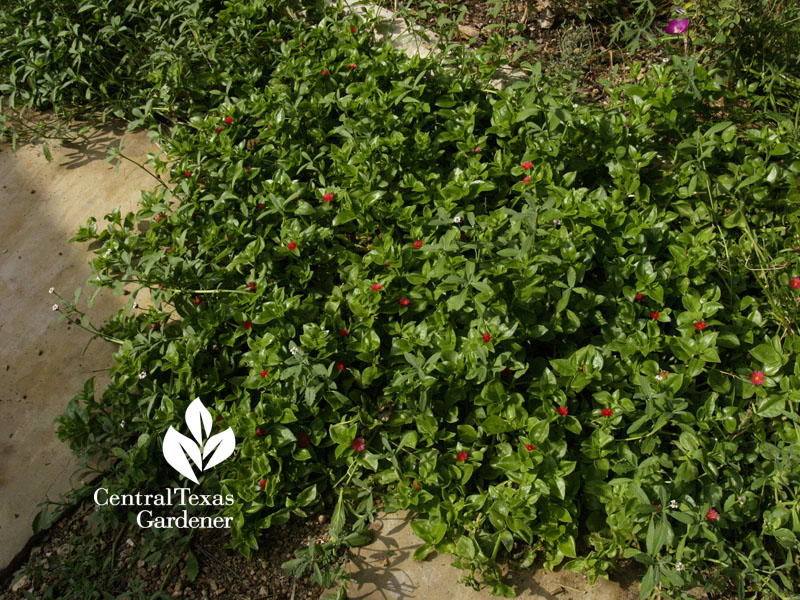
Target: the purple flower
(677, 26)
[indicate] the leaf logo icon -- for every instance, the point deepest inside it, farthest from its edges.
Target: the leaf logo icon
(177, 446)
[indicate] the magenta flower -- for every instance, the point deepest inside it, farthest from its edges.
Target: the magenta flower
(358, 444)
(677, 26)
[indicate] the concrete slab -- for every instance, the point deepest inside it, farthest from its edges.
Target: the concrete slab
(44, 363)
(386, 570)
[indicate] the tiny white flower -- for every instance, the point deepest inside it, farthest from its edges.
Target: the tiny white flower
(665, 60)
(135, 305)
(122, 423)
(55, 307)
(679, 566)
(293, 350)
(107, 252)
(740, 500)
(143, 374)
(673, 504)
(51, 290)
(659, 377)
(679, 10)
(457, 220)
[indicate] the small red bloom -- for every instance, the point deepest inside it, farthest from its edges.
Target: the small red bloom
(486, 337)
(463, 235)
(489, 63)
(353, 30)
(418, 244)
(159, 217)
(526, 179)
(655, 314)
(263, 483)
(477, 149)
(387, 264)
(712, 515)
(292, 246)
(527, 165)
(639, 297)
(228, 120)
(700, 325)
(562, 410)
(358, 444)
(219, 129)
(249, 169)
(506, 372)
(340, 366)
(606, 412)
(259, 432)
(324, 71)
(264, 373)
(252, 286)
(530, 447)
(461, 456)
(376, 287)
(197, 301)
(328, 197)
(261, 206)
(352, 65)
(219, 418)
(303, 440)
(404, 301)
(416, 485)
(246, 324)
(656, 504)
(187, 174)
(343, 332)
(757, 378)
(794, 283)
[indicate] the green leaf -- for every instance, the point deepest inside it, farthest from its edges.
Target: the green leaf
(192, 566)
(344, 217)
(338, 517)
(770, 360)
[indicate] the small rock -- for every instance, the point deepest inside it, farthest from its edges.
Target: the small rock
(23, 581)
(321, 519)
(212, 584)
(468, 31)
(262, 591)
(140, 563)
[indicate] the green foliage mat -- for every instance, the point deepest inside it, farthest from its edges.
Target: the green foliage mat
(572, 326)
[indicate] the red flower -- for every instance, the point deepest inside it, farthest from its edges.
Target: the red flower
(340, 366)
(477, 149)
(461, 456)
(343, 332)
(249, 169)
(527, 165)
(712, 515)
(328, 197)
(506, 372)
(757, 378)
(416, 485)
(252, 286)
(219, 129)
(261, 206)
(387, 264)
(259, 432)
(264, 373)
(700, 325)
(530, 447)
(418, 244)
(486, 337)
(159, 217)
(353, 30)
(324, 71)
(303, 440)
(562, 410)
(526, 179)
(639, 297)
(794, 283)
(358, 444)
(228, 120)
(376, 287)
(246, 324)
(656, 504)
(291, 246)
(606, 412)
(404, 301)
(263, 483)
(352, 65)
(187, 174)
(655, 315)
(197, 301)
(219, 418)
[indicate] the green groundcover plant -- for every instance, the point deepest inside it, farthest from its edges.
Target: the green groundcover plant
(526, 320)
